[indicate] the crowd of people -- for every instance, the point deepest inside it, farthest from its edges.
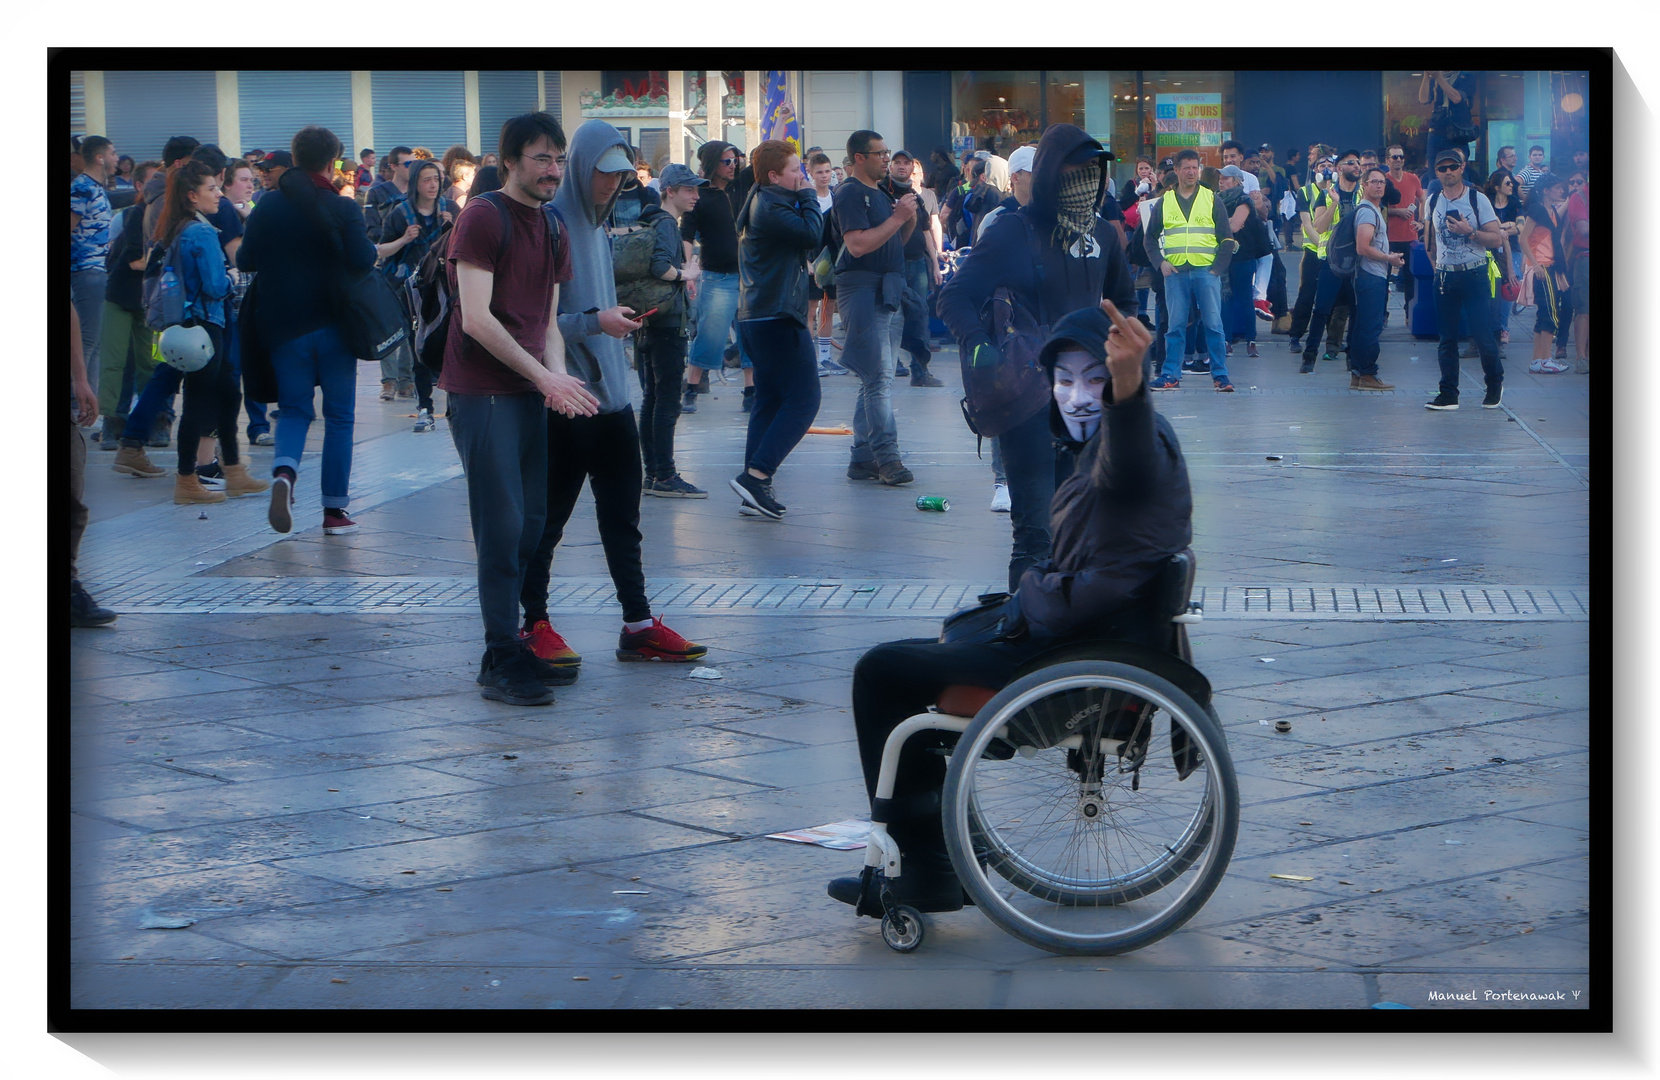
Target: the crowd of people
(585, 261)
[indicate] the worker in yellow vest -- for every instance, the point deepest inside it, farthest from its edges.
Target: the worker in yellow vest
(1331, 291)
(1190, 244)
(1320, 175)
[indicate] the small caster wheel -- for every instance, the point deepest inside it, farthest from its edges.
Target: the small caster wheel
(902, 928)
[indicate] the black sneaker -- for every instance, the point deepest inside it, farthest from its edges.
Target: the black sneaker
(688, 400)
(900, 371)
(1494, 396)
(1296, 346)
(514, 681)
(1307, 368)
(757, 495)
(749, 399)
(863, 470)
(84, 610)
(675, 488)
(1189, 364)
(211, 475)
(1200, 367)
(1443, 403)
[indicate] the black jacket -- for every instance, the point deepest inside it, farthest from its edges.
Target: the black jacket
(294, 258)
(1076, 276)
(711, 223)
(1125, 509)
(779, 230)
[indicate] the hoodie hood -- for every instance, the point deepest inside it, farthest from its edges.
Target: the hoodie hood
(575, 195)
(1057, 144)
(1084, 329)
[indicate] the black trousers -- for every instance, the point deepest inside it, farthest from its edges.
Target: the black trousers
(898, 680)
(1308, 277)
(1276, 287)
(604, 452)
(661, 352)
(212, 399)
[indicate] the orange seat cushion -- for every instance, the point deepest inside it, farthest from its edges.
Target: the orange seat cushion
(964, 700)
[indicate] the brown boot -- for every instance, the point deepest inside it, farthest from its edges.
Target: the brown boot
(238, 482)
(388, 390)
(1370, 382)
(133, 461)
(188, 490)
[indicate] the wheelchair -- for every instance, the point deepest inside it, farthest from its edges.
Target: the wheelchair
(1090, 806)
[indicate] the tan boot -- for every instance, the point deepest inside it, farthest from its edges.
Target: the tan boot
(1371, 382)
(238, 482)
(133, 461)
(187, 490)
(388, 390)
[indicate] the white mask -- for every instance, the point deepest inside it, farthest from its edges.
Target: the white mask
(1080, 381)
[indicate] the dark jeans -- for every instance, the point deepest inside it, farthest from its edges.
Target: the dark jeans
(1330, 292)
(603, 450)
(257, 422)
(661, 353)
(502, 440)
(786, 390)
(157, 396)
(1034, 466)
(1371, 300)
(1465, 293)
(1242, 313)
(898, 680)
(914, 338)
(1308, 278)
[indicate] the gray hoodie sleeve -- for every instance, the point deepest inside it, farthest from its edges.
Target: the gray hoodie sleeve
(577, 327)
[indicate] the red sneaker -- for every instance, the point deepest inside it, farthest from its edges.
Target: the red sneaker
(548, 646)
(658, 642)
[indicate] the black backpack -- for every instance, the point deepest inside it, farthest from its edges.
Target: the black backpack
(631, 251)
(999, 396)
(1342, 254)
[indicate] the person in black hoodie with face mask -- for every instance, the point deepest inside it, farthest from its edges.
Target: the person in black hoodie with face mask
(1125, 510)
(1056, 254)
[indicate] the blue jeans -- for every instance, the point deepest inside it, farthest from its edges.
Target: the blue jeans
(786, 390)
(1371, 300)
(1242, 312)
(319, 358)
(257, 423)
(1464, 293)
(717, 306)
(1033, 466)
(872, 334)
(165, 380)
(1182, 290)
(86, 291)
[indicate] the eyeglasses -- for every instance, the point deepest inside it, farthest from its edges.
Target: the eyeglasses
(876, 153)
(1351, 161)
(544, 160)
(1397, 157)
(1448, 168)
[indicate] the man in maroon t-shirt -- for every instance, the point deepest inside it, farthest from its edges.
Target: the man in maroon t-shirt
(504, 366)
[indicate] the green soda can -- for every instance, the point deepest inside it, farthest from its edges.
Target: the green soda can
(932, 502)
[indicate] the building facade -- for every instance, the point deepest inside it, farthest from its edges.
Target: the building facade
(668, 114)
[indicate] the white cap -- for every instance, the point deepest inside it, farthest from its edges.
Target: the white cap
(1021, 159)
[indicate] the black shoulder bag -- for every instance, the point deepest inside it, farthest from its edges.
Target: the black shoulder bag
(371, 316)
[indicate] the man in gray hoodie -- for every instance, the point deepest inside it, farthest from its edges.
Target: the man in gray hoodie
(601, 450)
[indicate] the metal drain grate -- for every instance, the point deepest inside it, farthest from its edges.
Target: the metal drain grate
(755, 596)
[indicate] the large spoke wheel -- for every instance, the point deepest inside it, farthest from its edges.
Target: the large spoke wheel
(1112, 821)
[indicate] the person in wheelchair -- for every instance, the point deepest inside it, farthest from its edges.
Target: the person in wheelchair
(1126, 509)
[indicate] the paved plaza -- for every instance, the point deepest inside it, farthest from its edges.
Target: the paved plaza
(280, 741)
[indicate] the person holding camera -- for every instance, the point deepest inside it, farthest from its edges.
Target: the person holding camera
(1462, 226)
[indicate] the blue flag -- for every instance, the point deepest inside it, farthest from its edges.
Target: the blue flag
(778, 119)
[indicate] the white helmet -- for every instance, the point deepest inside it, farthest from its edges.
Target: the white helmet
(187, 348)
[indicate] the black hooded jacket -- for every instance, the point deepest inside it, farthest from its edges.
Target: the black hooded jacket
(1125, 509)
(1076, 276)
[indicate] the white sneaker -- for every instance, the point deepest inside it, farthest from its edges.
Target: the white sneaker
(1000, 499)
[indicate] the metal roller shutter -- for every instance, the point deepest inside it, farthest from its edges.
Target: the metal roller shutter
(77, 103)
(550, 87)
(276, 104)
(419, 108)
(144, 109)
(502, 94)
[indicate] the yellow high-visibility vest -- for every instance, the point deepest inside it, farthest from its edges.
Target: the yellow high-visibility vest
(1189, 240)
(1310, 193)
(1336, 214)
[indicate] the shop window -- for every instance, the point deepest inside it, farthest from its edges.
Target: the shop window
(1004, 106)
(1183, 109)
